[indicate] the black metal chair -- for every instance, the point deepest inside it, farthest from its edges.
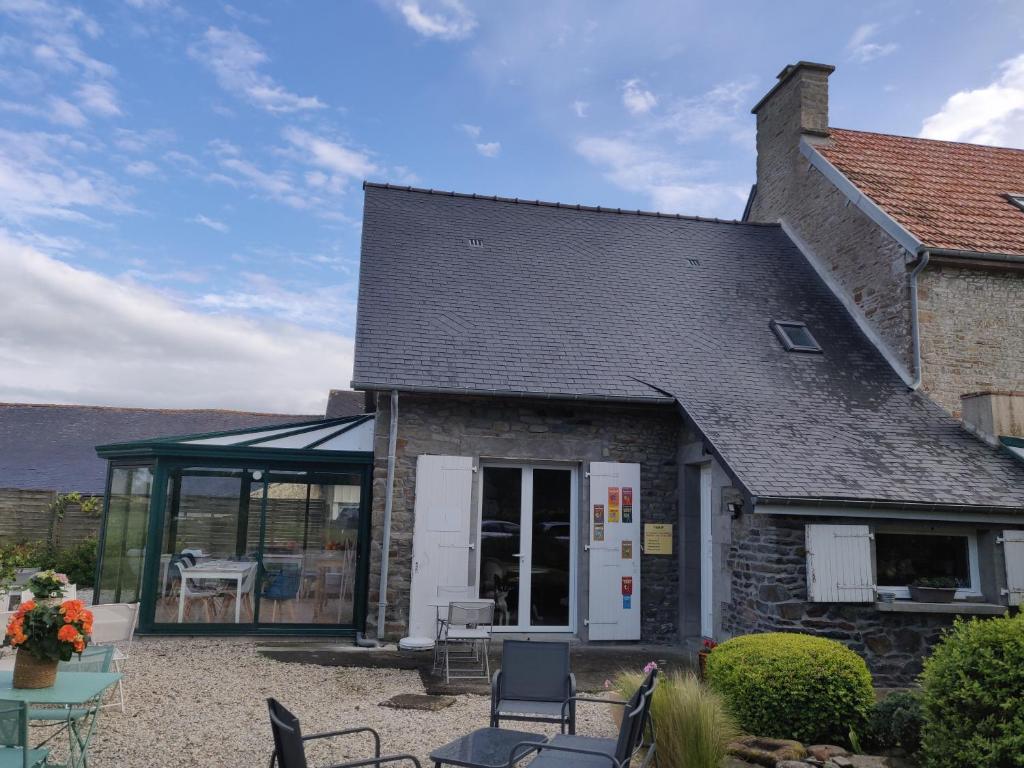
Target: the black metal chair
(566, 751)
(533, 684)
(290, 744)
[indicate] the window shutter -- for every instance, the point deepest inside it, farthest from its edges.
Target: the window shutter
(839, 564)
(1013, 554)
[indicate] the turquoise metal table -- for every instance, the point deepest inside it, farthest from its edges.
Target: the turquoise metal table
(72, 689)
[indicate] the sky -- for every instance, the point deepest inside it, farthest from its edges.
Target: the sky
(180, 183)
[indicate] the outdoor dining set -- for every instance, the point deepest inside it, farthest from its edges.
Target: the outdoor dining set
(534, 684)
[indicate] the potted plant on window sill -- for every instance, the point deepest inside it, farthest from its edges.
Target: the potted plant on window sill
(938, 589)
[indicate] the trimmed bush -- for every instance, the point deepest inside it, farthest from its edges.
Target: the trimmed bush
(78, 562)
(691, 726)
(896, 722)
(974, 696)
(793, 686)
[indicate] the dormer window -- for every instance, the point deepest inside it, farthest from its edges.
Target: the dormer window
(1016, 199)
(795, 336)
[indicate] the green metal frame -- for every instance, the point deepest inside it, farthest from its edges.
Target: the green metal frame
(166, 455)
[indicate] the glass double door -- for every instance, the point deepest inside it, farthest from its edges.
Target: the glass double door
(526, 546)
(250, 546)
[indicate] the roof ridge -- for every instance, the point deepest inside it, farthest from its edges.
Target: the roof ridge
(151, 410)
(931, 141)
(563, 206)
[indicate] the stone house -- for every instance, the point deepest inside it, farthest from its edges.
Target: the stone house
(624, 425)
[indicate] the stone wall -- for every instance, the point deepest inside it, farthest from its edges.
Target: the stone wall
(972, 331)
(767, 558)
(529, 430)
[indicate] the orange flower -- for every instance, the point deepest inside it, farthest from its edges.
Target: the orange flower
(16, 631)
(67, 634)
(72, 610)
(26, 607)
(79, 644)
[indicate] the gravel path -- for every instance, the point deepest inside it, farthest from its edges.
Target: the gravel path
(202, 702)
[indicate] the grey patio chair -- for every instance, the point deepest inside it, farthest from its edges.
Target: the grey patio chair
(533, 683)
(467, 628)
(290, 744)
(14, 749)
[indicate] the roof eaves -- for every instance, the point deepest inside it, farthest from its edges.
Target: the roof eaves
(887, 508)
(659, 399)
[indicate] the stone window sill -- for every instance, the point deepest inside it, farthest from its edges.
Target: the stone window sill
(961, 607)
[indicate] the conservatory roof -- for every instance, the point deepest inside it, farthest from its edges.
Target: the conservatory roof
(350, 437)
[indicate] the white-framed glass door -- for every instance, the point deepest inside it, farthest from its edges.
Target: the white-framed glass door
(527, 544)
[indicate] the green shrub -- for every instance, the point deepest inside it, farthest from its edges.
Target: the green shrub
(793, 686)
(974, 696)
(692, 727)
(896, 722)
(78, 562)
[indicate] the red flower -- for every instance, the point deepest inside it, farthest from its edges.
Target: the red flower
(68, 634)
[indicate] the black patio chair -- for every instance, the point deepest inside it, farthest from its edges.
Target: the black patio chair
(533, 684)
(566, 751)
(290, 744)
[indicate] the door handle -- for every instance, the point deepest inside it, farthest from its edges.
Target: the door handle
(518, 554)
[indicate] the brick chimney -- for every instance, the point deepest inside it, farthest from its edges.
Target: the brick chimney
(991, 415)
(796, 106)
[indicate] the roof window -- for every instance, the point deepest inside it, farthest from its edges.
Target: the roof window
(795, 336)
(1017, 200)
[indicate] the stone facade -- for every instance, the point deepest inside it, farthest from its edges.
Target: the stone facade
(530, 430)
(768, 564)
(972, 331)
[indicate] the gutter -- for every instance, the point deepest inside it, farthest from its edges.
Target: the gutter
(467, 391)
(389, 498)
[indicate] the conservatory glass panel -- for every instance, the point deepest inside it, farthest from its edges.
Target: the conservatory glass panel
(124, 539)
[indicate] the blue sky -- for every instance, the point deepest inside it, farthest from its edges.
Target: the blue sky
(180, 190)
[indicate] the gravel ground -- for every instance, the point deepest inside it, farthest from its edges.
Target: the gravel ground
(202, 702)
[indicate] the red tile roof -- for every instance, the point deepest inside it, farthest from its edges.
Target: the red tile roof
(948, 195)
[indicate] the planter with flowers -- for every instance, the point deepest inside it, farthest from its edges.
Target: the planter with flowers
(47, 587)
(702, 655)
(45, 635)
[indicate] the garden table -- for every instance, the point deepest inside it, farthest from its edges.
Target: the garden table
(217, 570)
(484, 748)
(79, 690)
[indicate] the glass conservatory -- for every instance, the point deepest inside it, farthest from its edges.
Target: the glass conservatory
(250, 531)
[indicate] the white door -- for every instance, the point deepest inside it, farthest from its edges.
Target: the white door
(441, 536)
(707, 556)
(614, 545)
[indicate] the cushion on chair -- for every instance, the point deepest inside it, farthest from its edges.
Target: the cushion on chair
(10, 757)
(523, 707)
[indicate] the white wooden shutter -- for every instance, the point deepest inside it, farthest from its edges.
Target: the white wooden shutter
(1013, 555)
(839, 564)
(614, 615)
(441, 536)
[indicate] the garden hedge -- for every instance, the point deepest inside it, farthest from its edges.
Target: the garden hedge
(974, 696)
(793, 686)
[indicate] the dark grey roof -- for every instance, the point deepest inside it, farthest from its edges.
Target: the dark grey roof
(53, 447)
(345, 402)
(572, 302)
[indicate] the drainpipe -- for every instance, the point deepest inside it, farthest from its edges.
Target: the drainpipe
(915, 326)
(389, 496)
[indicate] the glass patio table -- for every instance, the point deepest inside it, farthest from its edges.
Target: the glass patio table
(78, 690)
(485, 748)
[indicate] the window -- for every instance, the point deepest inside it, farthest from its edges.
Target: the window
(795, 336)
(1017, 200)
(904, 557)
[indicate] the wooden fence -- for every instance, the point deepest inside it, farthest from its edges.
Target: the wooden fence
(26, 516)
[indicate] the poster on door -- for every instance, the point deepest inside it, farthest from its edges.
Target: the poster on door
(627, 585)
(599, 514)
(627, 504)
(627, 550)
(598, 533)
(613, 505)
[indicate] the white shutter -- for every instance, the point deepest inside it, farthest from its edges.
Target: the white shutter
(1013, 555)
(441, 536)
(612, 614)
(839, 564)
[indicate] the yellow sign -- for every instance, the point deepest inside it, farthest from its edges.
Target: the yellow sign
(657, 539)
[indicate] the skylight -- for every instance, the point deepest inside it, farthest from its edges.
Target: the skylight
(1017, 200)
(795, 336)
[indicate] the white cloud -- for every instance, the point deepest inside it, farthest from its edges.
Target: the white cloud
(579, 108)
(139, 348)
(66, 113)
(473, 131)
(445, 20)
(206, 221)
(331, 155)
(722, 110)
(489, 149)
(636, 99)
(325, 306)
(141, 168)
(235, 59)
(861, 46)
(670, 187)
(993, 114)
(100, 99)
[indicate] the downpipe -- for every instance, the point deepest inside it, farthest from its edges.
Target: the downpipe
(389, 498)
(915, 325)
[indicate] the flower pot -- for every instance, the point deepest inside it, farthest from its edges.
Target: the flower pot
(30, 672)
(932, 594)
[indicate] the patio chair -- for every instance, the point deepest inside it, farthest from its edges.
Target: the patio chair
(290, 744)
(283, 588)
(248, 587)
(532, 684)
(468, 625)
(192, 594)
(14, 749)
(95, 658)
(114, 624)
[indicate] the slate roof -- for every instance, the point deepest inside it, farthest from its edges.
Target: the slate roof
(52, 447)
(585, 303)
(947, 194)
